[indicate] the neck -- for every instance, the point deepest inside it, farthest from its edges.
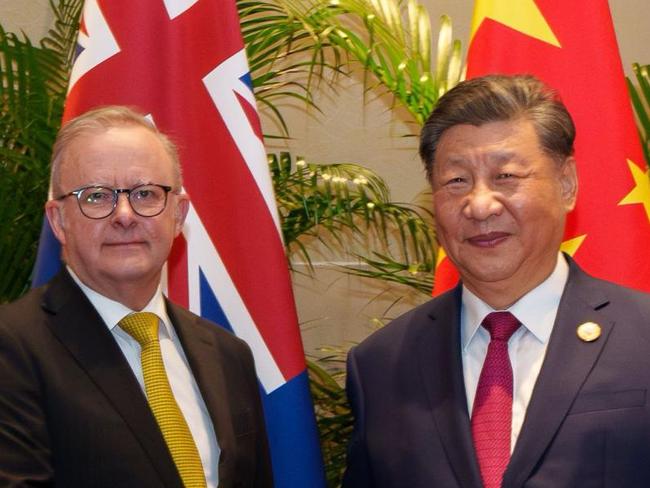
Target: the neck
(132, 294)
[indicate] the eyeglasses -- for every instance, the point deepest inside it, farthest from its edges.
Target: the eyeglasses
(98, 202)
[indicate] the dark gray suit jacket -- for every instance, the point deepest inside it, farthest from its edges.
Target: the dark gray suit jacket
(72, 413)
(587, 424)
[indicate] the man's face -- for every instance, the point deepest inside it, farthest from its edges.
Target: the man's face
(500, 204)
(123, 248)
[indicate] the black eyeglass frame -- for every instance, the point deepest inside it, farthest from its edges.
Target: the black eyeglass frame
(116, 194)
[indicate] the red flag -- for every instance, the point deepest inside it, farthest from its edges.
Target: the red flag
(572, 47)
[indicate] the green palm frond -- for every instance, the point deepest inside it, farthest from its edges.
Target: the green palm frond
(332, 412)
(416, 275)
(293, 43)
(391, 39)
(640, 96)
(348, 207)
(33, 82)
(287, 53)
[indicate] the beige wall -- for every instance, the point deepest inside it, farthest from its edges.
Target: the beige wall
(31, 16)
(334, 308)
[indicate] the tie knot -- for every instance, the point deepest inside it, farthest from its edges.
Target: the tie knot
(142, 326)
(501, 325)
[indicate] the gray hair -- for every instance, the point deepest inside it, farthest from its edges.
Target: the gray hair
(102, 119)
(497, 98)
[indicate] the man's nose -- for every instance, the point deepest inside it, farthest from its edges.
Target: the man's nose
(123, 212)
(482, 203)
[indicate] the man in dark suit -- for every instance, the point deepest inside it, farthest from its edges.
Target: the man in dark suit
(530, 373)
(85, 400)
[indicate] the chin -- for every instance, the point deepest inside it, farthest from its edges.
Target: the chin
(129, 270)
(491, 272)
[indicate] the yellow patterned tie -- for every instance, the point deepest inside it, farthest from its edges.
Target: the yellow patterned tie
(143, 327)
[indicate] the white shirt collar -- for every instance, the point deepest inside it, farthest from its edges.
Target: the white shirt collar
(536, 310)
(112, 312)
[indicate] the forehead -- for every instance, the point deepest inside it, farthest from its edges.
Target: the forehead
(493, 140)
(123, 155)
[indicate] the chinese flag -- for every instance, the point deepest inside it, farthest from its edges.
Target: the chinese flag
(572, 47)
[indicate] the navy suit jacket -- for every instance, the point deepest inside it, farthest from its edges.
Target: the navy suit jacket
(72, 413)
(587, 423)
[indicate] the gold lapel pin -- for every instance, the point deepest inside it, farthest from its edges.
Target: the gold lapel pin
(589, 331)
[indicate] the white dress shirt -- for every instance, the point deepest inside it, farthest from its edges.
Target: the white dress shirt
(527, 347)
(186, 391)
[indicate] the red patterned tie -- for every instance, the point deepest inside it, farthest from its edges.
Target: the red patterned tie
(492, 412)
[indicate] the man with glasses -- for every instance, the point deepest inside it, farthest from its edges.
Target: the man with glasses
(103, 381)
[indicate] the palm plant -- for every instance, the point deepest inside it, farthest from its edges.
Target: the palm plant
(640, 96)
(332, 411)
(390, 43)
(293, 44)
(341, 205)
(33, 83)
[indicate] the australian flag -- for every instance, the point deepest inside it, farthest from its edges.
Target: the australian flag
(183, 63)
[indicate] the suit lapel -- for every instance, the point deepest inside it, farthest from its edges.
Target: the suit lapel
(80, 329)
(440, 361)
(203, 353)
(566, 366)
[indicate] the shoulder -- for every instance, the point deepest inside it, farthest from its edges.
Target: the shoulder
(623, 302)
(603, 294)
(406, 330)
(26, 338)
(623, 293)
(24, 310)
(60, 293)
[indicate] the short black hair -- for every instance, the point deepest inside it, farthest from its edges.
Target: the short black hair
(496, 98)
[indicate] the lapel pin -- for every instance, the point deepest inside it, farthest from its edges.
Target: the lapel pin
(589, 331)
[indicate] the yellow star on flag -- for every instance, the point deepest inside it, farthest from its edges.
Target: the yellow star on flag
(641, 191)
(571, 246)
(521, 15)
(441, 256)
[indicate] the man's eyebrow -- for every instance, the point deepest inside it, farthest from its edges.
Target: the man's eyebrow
(94, 184)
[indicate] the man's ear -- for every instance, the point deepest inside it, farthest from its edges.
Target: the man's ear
(54, 213)
(180, 212)
(569, 183)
